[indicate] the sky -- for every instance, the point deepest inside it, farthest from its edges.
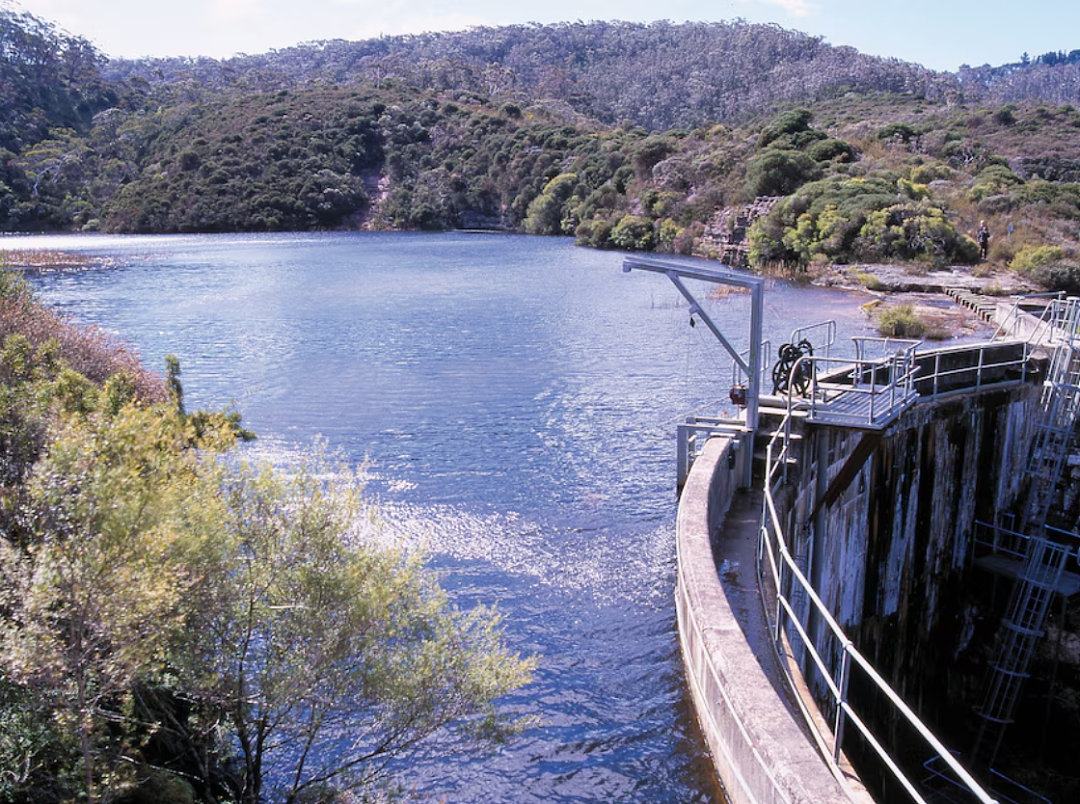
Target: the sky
(939, 34)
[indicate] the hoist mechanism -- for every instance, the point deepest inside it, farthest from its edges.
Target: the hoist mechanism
(789, 373)
(751, 365)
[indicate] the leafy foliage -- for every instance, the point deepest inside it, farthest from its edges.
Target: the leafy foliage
(847, 220)
(48, 79)
(302, 634)
(900, 321)
(660, 76)
(481, 129)
(171, 621)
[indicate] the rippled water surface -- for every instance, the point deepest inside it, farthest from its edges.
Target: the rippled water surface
(516, 398)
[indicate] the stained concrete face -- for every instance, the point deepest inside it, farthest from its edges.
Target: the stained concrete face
(892, 555)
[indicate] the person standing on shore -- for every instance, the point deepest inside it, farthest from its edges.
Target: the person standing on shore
(982, 236)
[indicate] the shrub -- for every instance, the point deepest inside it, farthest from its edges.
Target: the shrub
(898, 131)
(766, 239)
(900, 321)
(924, 174)
(545, 213)
(595, 232)
(667, 236)
(869, 281)
(831, 150)
(1005, 116)
(790, 122)
(633, 233)
(1059, 277)
(910, 232)
(775, 172)
(1031, 258)
(651, 151)
(994, 179)
(687, 238)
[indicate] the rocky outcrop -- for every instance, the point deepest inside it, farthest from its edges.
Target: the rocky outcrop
(725, 234)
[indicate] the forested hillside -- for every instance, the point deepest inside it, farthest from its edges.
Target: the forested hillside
(743, 142)
(656, 76)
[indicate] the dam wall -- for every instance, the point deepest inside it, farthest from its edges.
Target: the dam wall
(883, 526)
(760, 747)
(892, 554)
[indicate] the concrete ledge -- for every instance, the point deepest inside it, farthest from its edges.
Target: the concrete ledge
(761, 750)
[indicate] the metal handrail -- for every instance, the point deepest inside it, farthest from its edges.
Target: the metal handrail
(773, 546)
(799, 333)
(937, 375)
(887, 346)
(776, 563)
(1047, 321)
(738, 375)
(900, 369)
(902, 375)
(773, 553)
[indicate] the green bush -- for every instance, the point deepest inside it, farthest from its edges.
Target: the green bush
(914, 231)
(924, 174)
(831, 150)
(994, 179)
(898, 131)
(633, 233)
(1064, 277)
(667, 235)
(775, 172)
(900, 321)
(1031, 258)
(595, 232)
(766, 239)
(787, 123)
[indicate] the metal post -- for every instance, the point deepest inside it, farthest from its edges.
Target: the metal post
(753, 391)
(683, 436)
(841, 700)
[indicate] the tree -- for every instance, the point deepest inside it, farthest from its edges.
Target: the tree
(92, 603)
(774, 172)
(545, 212)
(325, 654)
(162, 607)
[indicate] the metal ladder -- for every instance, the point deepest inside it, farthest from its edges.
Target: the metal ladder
(1020, 632)
(1061, 409)
(1045, 560)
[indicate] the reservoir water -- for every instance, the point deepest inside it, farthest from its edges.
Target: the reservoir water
(516, 399)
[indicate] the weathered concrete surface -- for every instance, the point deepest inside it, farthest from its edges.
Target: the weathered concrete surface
(761, 749)
(892, 556)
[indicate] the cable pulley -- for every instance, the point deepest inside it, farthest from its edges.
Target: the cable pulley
(785, 374)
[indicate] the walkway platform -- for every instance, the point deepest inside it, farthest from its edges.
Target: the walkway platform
(1067, 586)
(762, 748)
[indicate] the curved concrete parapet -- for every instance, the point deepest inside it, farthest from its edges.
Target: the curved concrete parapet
(761, 749)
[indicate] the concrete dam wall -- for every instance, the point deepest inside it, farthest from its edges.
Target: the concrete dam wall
(883, 525)
(892, 555)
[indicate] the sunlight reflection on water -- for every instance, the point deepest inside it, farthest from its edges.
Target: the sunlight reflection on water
(516, 400)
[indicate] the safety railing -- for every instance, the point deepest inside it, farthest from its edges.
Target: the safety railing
(691, 436)
(777, 566)
(872, 347)
(1041, 318)
(822, 335)
(888, 383)
(865, 392)
(1013, 543)
(1007, 791)
(972, 367)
